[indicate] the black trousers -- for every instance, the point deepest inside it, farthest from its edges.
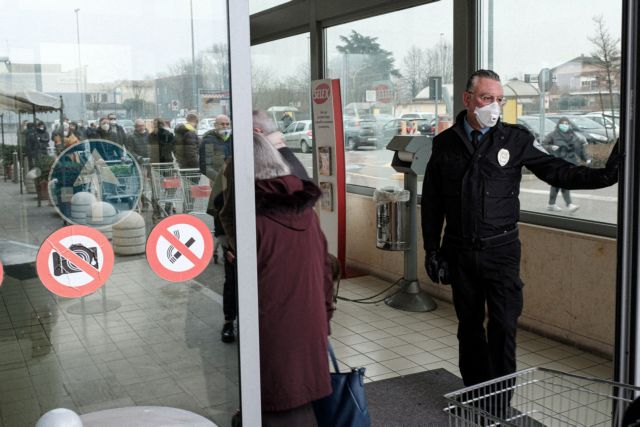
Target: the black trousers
(489, 277)
(229, 289)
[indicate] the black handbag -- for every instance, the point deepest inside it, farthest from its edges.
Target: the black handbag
(346, 406)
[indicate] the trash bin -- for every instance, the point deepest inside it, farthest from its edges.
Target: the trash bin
(391, 218)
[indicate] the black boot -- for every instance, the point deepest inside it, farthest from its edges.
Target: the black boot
(228, 334)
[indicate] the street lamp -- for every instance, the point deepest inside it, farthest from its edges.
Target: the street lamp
(193, 63)
(79, 72)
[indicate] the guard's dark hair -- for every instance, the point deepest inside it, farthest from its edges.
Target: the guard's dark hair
(487, 74)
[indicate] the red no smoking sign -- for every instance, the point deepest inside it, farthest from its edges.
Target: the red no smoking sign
(75, 261)
(179, 248)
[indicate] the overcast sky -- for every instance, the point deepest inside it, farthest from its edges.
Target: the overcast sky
(135, 39)
(120, 39)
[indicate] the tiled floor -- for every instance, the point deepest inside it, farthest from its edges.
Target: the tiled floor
(160, 347)
(391, 342)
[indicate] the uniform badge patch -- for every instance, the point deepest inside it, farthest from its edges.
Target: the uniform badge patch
(539, 146)
(503, 157)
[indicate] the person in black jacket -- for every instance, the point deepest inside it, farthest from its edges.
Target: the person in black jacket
(138, 141)
(187, 141)
(42, 137)
(472, 182)
(564, 142)
(161, 142)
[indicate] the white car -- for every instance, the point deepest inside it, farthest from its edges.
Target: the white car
(299, 135)
(205, 125)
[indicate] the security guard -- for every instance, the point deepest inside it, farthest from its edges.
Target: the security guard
(472, 181)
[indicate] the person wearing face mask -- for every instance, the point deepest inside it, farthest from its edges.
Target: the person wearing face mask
(67, 139)
(118, 134)
(216, 147)
(472, 181)
(42, 137)
(138, 141)
(104, 130)
(563, 142)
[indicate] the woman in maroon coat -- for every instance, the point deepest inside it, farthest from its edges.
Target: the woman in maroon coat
(294, 291)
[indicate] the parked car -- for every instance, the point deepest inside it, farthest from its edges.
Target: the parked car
(177, 122)
(359, 132)
(205, 125)
(380, 119)
(299, 135)
(418, 115)
(605, 119)
(594, 132)
(532, 123)
(127, 125)
(394, 127)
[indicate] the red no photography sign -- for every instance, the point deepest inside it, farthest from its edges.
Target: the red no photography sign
(75, 261)
(179, 248)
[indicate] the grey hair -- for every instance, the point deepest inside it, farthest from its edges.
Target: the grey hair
(486, 74)
(262, 121)
(267, 161)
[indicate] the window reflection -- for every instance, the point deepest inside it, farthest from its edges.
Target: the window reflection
(391, 85)
(281, 87)
(88, 121)
(572, 70)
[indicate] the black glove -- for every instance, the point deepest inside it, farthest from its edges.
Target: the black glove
(431, 265)
(437, 268)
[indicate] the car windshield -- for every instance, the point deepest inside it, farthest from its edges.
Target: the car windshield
(534, 123)
(585, 123)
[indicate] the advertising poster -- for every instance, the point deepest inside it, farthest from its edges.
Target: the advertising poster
(329, 143)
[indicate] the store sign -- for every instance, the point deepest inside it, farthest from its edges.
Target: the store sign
(329, 143)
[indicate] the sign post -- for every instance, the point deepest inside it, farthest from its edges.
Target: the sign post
(544, 84)
(329, 145)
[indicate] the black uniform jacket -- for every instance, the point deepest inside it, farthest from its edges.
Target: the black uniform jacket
(476, 190)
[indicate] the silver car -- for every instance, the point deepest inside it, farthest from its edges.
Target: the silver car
(299, 135)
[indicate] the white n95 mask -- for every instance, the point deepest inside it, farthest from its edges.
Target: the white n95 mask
(488, 115)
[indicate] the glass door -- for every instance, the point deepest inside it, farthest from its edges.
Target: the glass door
(116, 289)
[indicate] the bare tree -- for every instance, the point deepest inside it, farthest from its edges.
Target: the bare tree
(608, 54)
(215, 64)
(439, 61)
(414, 71)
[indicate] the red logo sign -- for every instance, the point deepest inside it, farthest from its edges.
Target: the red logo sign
(321, 93)
(179, 248)
(384, 93)
(75, 261)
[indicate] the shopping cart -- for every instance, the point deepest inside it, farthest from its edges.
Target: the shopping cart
(196, 190)
(539, 397)
(167, 195)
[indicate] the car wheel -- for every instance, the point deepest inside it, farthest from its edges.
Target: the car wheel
(304, 147)
(351, 144)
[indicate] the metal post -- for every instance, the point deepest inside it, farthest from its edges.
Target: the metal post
(411, 297)
(490, 34)
(80, 73)
(193, 63)
(4, 172)
(17, 168)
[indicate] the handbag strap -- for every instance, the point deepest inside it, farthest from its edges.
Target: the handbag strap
(333, 357)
